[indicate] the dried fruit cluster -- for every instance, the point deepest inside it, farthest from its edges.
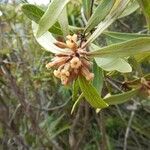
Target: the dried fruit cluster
(72, 63)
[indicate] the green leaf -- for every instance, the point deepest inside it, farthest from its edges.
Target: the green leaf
(47, 41)
(32, 12)
(132, 7)
(98, 77)
(63, 21)
(124, 36)
(141, 57)
(59, 131)
(51, 15)
(117, 9)
(87, 8)
(35, 13)
(100, 13)
(75, 90)
(113, 63)
(51, 123)
(76, 102)
(145, 5)
(128, 48)
(121, 98)
(91, 94)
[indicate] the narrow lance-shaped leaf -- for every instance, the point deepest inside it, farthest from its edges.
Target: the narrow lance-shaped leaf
(87, 8)
(121, 98)
(145, 4)
(132, 7)
(91, 95)
(124, 36)
(32, 12)
(76, 102)
(63, 21)
(51, 15)
(35, 13)
(118, 8)
(75, 90)
(111, 63)
(100, 13)
(98, 77)
(129, 48)
(47, 41)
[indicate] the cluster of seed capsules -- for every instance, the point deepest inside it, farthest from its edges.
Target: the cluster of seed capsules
(68, 66)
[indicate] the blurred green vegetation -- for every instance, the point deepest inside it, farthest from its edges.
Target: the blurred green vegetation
(35, 108)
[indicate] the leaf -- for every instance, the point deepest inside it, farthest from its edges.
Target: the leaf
(141, 57)
(58, 131)
(117, 9)
(51, 123)
(132, 7)
(128, 48)
(124, 36)
(98, 77)
(113, 63)
(51, 15)
(91, 94)
(32, 12)
(121, 98)
(75, 90)
(76, 102)
(87, 8)
(1, 13)
(47, 41)
(63, 21)
(145, 5)
(74, 29)
(100, 13)
(35, 13)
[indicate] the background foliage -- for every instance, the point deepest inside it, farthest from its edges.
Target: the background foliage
(35, 109)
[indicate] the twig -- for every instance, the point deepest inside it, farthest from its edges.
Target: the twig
(86, 118)
(72, 139)
(26, 109)
(128, 129)
(50, 109)
(101, 125)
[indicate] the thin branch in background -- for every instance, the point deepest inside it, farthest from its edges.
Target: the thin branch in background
(51, 109)
(125, 25)
(26, 109)
(85, 125)
(134, 107)
(101, 124)
(72, 138)
(128, 129)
